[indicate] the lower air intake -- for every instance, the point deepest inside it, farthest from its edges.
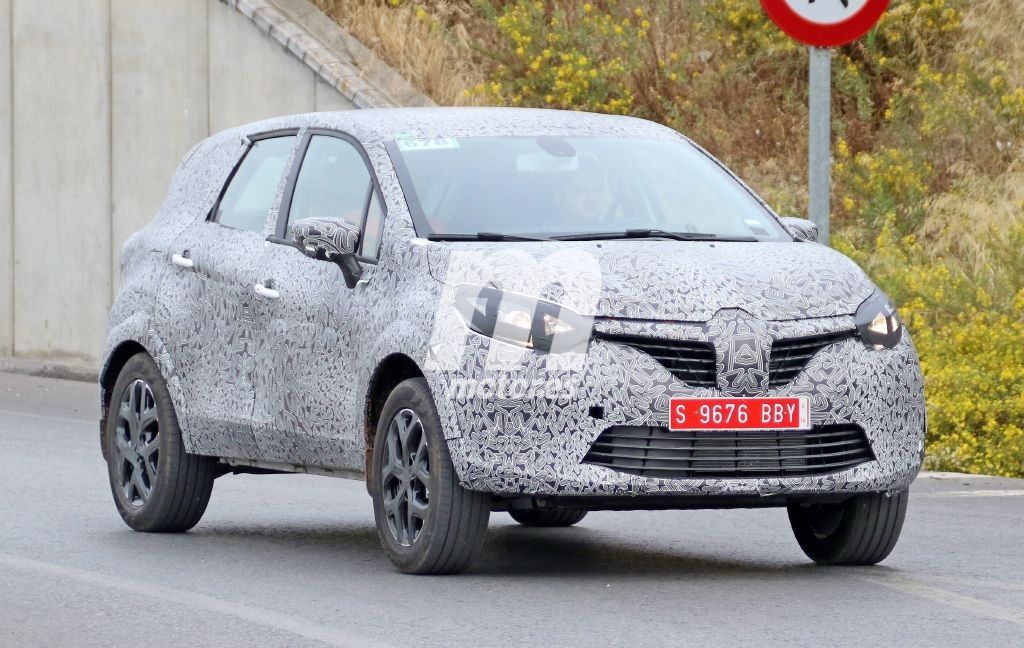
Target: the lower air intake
(658, 452)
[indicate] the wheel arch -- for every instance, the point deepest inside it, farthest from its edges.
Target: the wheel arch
(387, 375)
(130, 337)
(108, 376)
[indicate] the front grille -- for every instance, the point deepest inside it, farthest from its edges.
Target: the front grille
(790, 356)
(690, 361)
(658, 452)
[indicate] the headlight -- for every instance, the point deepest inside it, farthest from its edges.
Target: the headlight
(517, 319)
(878, 323)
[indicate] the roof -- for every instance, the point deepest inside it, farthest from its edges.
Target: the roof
(373, 125)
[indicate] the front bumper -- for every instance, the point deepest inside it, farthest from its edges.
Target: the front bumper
(520, 423)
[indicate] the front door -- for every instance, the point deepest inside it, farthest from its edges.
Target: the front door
(307, 408)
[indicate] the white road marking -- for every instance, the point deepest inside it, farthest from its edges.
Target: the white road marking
(967, 581)
(952, 476)
(308, 629)
(975, 493)
(968, 604)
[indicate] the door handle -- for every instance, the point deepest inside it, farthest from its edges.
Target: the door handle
(263, 291)
(182, 261)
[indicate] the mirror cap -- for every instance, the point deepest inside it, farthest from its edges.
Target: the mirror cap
(801, 228)
(328, 239)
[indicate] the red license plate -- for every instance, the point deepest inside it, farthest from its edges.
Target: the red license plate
(788, 413)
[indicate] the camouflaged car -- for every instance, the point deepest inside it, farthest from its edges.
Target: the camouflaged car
(476, 310)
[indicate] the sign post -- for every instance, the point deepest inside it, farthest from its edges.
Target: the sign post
(822, 24)
(819, 167)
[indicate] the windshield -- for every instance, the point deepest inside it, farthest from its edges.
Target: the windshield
(550, 186)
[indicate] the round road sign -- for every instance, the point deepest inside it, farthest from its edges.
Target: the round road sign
(825, 23)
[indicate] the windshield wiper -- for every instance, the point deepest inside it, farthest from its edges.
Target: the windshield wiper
(484, 236)
(596, 236)
(654, 233)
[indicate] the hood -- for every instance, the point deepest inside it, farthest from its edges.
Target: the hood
(663, 280)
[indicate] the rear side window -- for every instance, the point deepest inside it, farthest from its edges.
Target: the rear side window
(332, 183)
(251, 191)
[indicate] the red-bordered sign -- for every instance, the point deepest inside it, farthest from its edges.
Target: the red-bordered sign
(825, 23)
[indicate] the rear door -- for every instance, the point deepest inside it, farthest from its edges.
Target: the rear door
(307, 408)
(207, 301)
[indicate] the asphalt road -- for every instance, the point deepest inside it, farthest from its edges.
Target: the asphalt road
(292, 560)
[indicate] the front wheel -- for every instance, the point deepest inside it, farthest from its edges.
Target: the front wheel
(427, 523)
(860, 531)
(157, 486)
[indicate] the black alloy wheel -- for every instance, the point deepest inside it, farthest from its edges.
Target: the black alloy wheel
(427, 522)
(157, 485)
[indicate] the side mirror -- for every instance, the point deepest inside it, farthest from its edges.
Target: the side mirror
(801, 228)
(330, 239)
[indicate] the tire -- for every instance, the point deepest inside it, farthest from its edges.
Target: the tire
(449, 531)
(861, 531)
(157, 486)
(556, 517)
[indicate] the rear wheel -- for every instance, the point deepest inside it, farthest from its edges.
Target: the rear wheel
(860, 531)
(554, 517)
(157, 486)
(427, 523)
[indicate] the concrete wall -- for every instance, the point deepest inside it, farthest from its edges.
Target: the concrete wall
(99, 100)
(62, 245)
(6, 195)
(159, 107)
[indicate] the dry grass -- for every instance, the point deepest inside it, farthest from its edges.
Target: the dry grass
(431, 50)
(971, 227)
(749, 119)
(971, 224)
(997, 23)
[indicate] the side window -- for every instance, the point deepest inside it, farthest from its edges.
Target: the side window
(250, 194)
(374, 228)
(333, 182)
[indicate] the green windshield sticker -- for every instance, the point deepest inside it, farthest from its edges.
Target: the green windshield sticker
(427, 144)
